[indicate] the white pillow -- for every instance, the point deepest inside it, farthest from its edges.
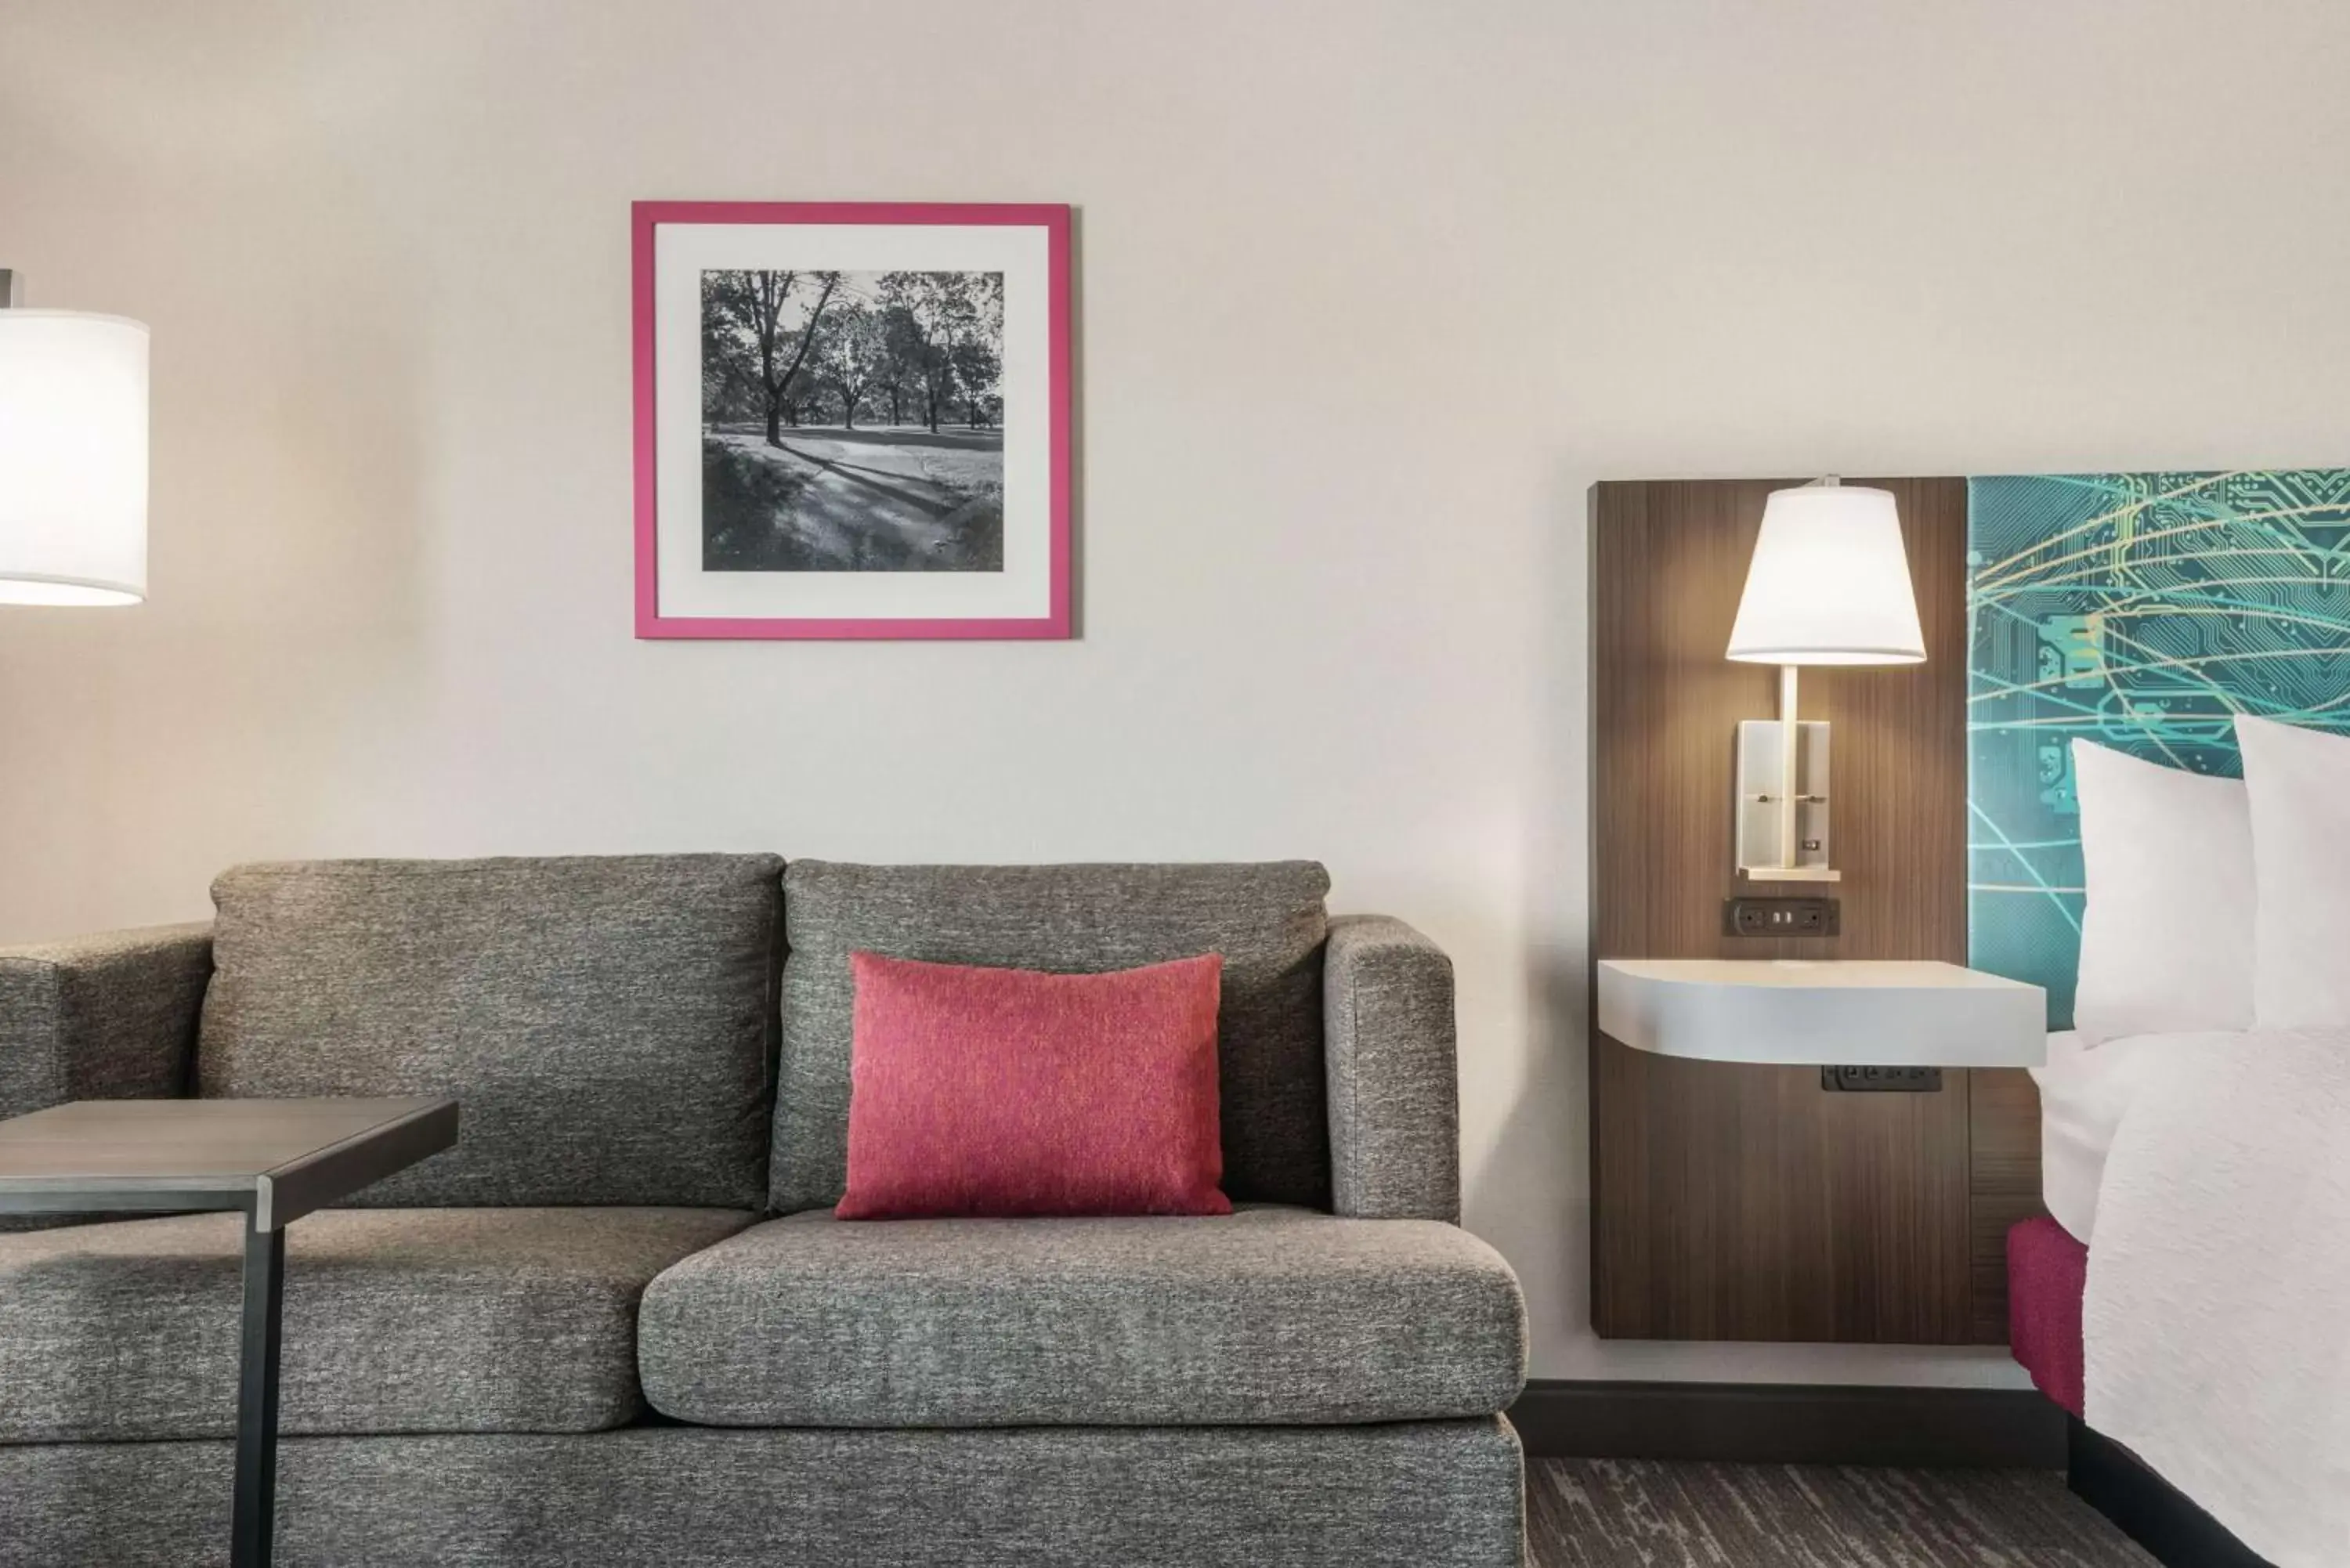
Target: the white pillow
(2300, 783)
(2166, 940)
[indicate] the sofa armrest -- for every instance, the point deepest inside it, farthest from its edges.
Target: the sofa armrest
(110, 1017)
(1390, 1054)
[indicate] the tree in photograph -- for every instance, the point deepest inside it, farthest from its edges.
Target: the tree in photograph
(944, 309)
(976, 371)
(979, 363)
(852, 357)
(901, 356)
(751, 304)
(729, 389)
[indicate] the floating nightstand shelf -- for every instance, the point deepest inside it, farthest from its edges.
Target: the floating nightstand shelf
(1834, 1012)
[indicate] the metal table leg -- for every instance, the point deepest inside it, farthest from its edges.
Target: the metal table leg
(257, 1397)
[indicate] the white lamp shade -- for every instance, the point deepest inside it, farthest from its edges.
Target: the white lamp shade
(1829, 583)
(73, 459)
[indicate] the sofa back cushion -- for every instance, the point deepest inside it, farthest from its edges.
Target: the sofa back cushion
(1266, 920)
(607, 1022)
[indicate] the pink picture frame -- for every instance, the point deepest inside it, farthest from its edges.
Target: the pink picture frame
(807, 462)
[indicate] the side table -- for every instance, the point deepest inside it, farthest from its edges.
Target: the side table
(273, 1161)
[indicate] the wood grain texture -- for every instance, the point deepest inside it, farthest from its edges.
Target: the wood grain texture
(1608, 1512)
(228, 1142)
(1743, 1202)
(2002, 1185)
(280, 1159)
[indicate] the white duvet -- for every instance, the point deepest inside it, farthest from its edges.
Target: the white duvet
(2217, 1322)
(2084, 1093)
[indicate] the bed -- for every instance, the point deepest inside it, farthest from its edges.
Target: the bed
(2159, 798)
(2158, 793)
(2187, 1301)
(2083, 1096)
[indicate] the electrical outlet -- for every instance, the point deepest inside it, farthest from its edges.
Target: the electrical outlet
(1883, 1080)
(1779, 917)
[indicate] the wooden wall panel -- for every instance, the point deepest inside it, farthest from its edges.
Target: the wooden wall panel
(2002, 1184)
(1743, 1202)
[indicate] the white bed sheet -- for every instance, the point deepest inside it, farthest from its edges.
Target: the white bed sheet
(2213, 1320)
(2084, 1093)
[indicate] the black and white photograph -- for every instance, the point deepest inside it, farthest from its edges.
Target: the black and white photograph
(852, 421)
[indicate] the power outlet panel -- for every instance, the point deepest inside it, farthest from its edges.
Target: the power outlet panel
(1882, 1080)
(1779, 917)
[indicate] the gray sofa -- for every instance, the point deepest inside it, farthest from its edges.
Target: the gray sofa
(616, 1324)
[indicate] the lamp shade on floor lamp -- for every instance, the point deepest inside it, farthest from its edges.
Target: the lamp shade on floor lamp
(73, 459)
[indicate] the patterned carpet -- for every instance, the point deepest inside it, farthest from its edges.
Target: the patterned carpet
(1634, 1513)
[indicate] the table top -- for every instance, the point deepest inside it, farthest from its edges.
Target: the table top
(1817, 975)
(277, 1159)
(1841, 1012)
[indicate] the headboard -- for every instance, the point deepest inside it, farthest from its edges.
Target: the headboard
(2142, 611)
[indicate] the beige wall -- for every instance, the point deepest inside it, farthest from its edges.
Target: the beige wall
(1370, 293)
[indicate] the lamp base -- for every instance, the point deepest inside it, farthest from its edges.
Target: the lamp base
(1763, 853)
(1789, 874)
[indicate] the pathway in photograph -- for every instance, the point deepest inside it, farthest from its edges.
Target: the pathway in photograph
(829, 499)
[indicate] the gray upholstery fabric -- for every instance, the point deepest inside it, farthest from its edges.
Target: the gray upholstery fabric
(1267, 920)
(108, 1017)
(417, 1320)
(1437, 1495)
(607, 1022)
(1269, 1316)
(1394, 1093)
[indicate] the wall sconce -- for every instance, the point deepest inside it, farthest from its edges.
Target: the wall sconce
(73, 456)
(1829, 584)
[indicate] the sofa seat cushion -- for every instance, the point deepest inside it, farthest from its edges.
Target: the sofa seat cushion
(1265, 1316)
(415, 1320)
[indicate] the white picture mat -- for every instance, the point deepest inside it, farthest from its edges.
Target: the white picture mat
(1022, 252)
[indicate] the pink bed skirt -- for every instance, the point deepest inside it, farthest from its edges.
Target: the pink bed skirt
(2047, 1272)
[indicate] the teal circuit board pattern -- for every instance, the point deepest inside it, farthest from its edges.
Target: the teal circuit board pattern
(2142, 611)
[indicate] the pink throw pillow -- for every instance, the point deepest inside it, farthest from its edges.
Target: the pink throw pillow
(1005, 1092)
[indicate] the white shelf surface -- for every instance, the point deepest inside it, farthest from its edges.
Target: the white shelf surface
(1837, 1012)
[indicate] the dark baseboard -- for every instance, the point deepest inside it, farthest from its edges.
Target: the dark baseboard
(1786, 1422)
(2149, 1510)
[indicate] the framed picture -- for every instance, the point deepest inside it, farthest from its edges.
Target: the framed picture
(852, 420)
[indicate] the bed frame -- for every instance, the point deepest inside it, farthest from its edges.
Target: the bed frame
(2148, 1509)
